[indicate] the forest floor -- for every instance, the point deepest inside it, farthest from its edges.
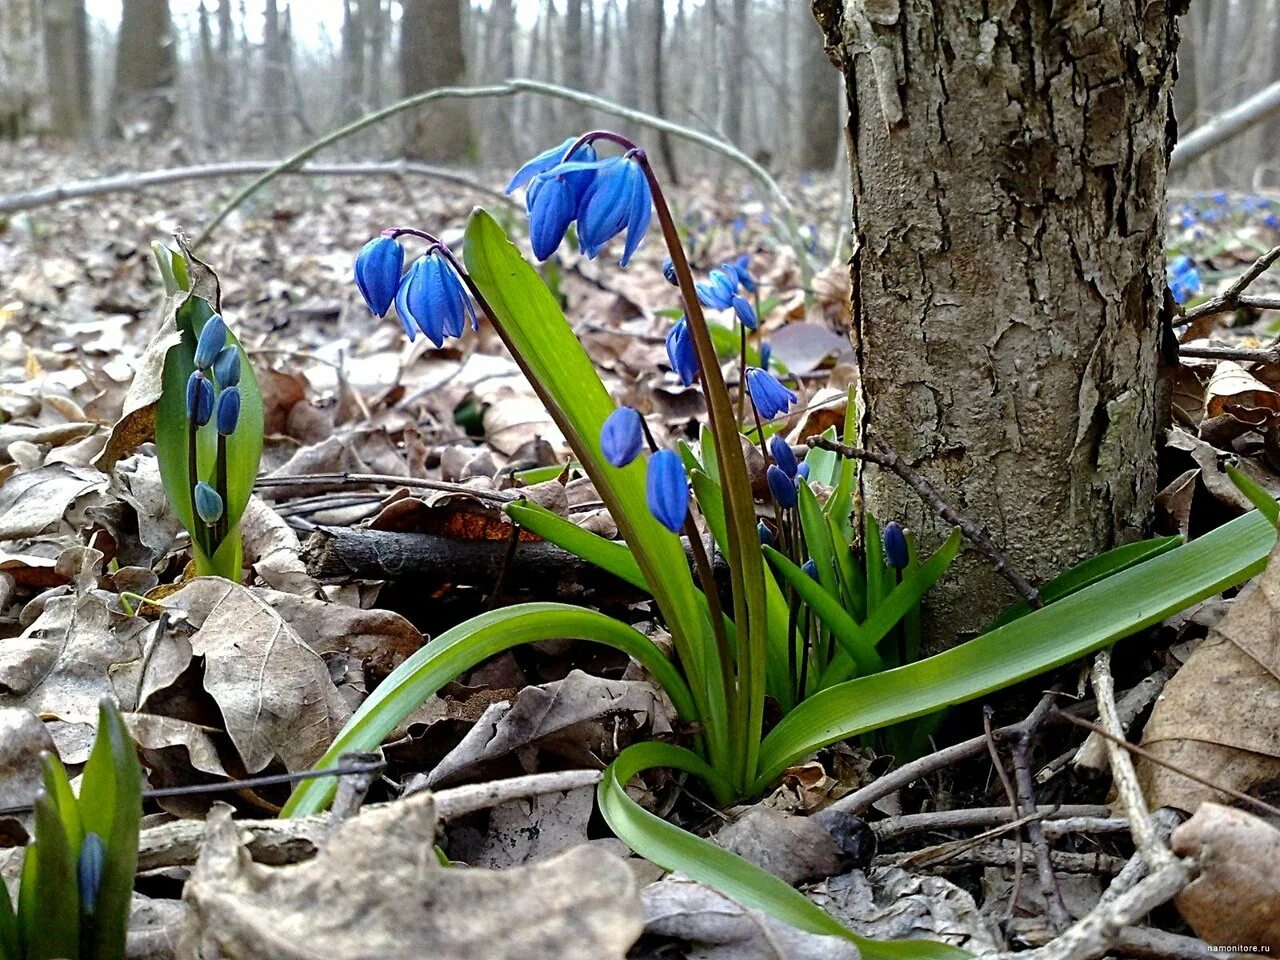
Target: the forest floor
(321, 620)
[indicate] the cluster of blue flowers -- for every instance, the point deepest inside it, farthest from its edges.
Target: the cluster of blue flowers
(1183, 279)
(429, 297)
(1218, 208)
(213, 393)
(785, 473)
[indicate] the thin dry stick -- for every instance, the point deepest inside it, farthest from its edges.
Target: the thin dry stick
(1083, 818)
(1009, 792)
(1232, 297)
(1058, 915)
(976, 533)
(355, 479)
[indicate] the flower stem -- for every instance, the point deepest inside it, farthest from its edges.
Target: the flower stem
(198, 529)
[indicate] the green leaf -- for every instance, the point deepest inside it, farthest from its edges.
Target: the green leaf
(464, 646)
(1256, 493)
(670, 847)
(1081, 623)
(609, 555)
(58, 786)
(817, 537)
(10, 933)
(51, 922)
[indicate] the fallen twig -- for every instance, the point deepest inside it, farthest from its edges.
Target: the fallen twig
(999, 853)
(1083, 818)
(1233, 297)
(1057, 909)
(344, 479)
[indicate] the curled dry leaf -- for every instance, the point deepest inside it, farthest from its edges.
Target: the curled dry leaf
(1220, 714)
(272, 549)
(38, 502)
(376, 889)
(22, 739)
(1233, 388)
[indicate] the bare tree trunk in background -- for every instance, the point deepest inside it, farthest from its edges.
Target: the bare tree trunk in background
(222, 65)
(1008, 179)
(431, 56)
(502, 21)
(629, 45)
(1271, 132)
(208, 72)
(820, 104)
(375, 17)
(273, 71)
(736, 73)
(353, 23)
(145, 68)
(548, 108)
(610, 27)
(574, 68)
(66, 57)
(660, 89)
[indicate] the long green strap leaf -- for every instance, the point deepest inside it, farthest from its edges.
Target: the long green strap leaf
(1076, 625)
(610, 556)
(461, 648)
(675, 849)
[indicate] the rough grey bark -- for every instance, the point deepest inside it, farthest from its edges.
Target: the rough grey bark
(431, 56)
(143, 98)
(1008, 177)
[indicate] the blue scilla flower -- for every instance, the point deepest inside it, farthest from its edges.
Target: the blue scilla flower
(768, 395)
(378, 267)
(199, 398)
(228, 412)
(213, 336)
(553, 203)
(742, 267)
(669, 271)
(681, 353)
(718, 289)
(548, 159)
(432, 298)
(1183, 279)
(208, 503)
(1271, 221)
(783, 455)
(895, 545)
(743, 310)
(802, 471)
(667, 489)
(1220, 197)
(765, 534)
(810, 567)
(766, 354)
(781, 486)
(226, 366)
(89, 865)
(617, 199)
(622, 436)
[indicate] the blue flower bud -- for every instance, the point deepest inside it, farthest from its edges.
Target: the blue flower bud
(228, 413)
(802, 471)
(667, 489)
(895, 545)
(93, 857)
(199, 398)
(213, 336)
(781, 486)
(226, 366)
(618, 199)
(718, 289)
(768, 395)
(431, 296)
(208, 503)
(811, 568)
(669, 271)
(548, 159)
(783, 455)
(681, 352)
(764, 533)
(622, 436)
(378, 267)
(552, 208)
(743, 310)
(766, 355)
(742, 267)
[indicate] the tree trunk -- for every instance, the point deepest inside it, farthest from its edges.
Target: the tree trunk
(431, 56)
(820, 93)
(142, 101)
(353, 23)
(66, 57)
(736, 73)
(376, 16)
(659, 72)
(574, 73)
(1008, 179)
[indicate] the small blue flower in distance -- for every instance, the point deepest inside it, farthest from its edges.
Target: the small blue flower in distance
(764, 533)
(1183, 279)
(895, 545)
(548, 159)
(810, 567)
(802, 471)
(766, 354)
(378, 267)
(738, 226)
(199, 398)
(228, 414)
(718, 289)
(742, 267)
(667, 489)
(213, 336)
(743, 310)
(768, 395)
(552, 207)
(622, 436)
(226, 366)
(681, 353)
(1220, 197)
(783, 455)
(781, 486)
(618, 199)
(669, 271)
(208, 503)
(93, 856)
(432, 297)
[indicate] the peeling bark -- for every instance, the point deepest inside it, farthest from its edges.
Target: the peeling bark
(1009, 162)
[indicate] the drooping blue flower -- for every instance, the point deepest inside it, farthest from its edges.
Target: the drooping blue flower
(226, 366)
(208, 503)
(765, 534)
(810, 567)
(895, 545)
(743, 310)
(432, 298)
(618, 199)
(718, 289)
(667, 489)
(783, 455)
(213, 336)
(89, 865)
(681, 353)
(768, 395)
(548, 159)
(669, 271)
(622, 436)
(742, 267)
(199, 398)
(378, 267)
(228, 413)
(552, 207)
(781, 486)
